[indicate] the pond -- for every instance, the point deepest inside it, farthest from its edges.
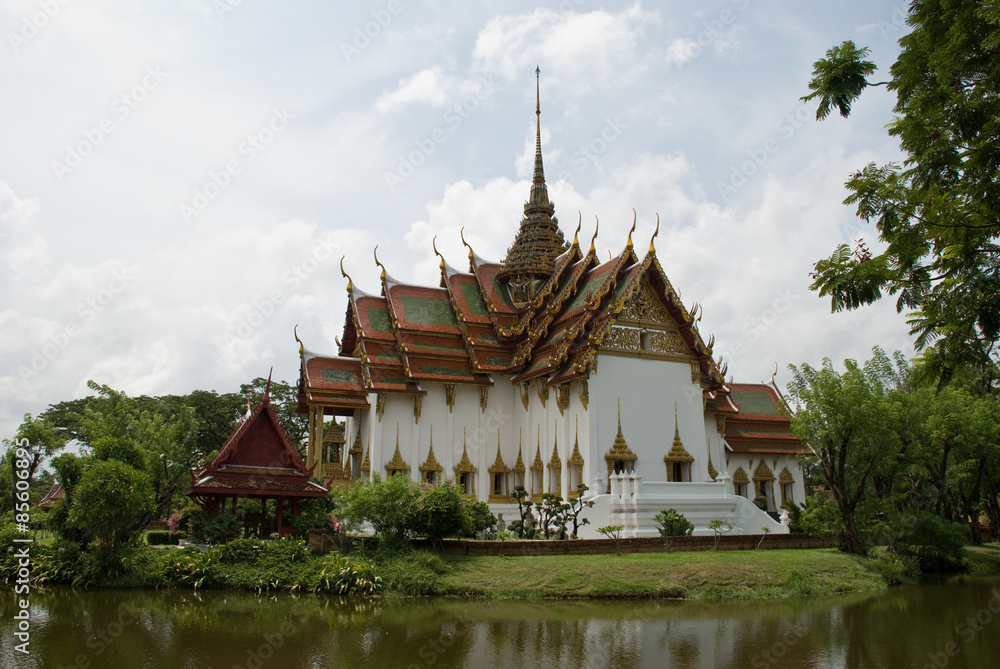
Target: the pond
(944, 624)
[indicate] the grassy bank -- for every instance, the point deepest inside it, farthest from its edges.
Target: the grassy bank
(696, 576)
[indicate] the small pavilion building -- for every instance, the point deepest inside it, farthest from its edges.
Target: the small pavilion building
(258, 461)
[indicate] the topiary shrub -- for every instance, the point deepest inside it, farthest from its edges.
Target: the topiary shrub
(162, 538)
(672, 523)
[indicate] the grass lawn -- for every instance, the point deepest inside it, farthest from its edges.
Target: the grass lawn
(688, 575)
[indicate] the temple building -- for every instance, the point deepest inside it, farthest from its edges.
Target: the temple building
(549, 369)
(258, 461)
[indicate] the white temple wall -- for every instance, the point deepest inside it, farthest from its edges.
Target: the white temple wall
(648, 390)
(776, 463)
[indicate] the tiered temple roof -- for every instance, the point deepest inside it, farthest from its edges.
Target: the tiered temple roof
(762, 424)
(480, 323)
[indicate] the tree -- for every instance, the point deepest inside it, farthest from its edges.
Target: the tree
(39, 438)
(613, 532)
(438, 512)
(524, 511)
(672, 523)
(719, 527)
(939, 213)
(386, 504)
(844, 418)
(118, 427)
(552, 513)
(576, 507)
(108, 500)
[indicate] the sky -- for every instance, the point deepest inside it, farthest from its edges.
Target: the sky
(179, 180)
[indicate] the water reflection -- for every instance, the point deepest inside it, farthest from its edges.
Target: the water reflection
(939, 625)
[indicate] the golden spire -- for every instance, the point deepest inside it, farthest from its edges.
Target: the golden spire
(295, 330)
(597, 227)
(652, 249)
(576, 241)
(350, 284)
(375, 252)
(539, 241)
(436, 252)
(629, 242)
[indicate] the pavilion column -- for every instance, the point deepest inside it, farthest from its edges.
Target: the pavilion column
(279, 503)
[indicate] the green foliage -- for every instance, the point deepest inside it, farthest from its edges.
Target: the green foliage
(552, 513)
(576, 507)
(839, 79)
(341, 575)
(613, 532)
(854, 424)
(936, 543)
(760, 501)
(820, 517)
(190, 567)
(719, 527)
(524, 529)
(480, 518)
(212, 528)
(439, 511)
(315, 516)
(895, 568)
(161, 538)
(672, 523)
(938, 216)
(109, 499)
(386, 504)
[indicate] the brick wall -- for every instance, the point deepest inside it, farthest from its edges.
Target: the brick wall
(651, 545)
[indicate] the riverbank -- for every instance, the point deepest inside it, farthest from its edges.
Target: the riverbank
(695, 576)
(288, 566)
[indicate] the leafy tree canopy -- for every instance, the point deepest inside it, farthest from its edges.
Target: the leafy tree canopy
(938, 213)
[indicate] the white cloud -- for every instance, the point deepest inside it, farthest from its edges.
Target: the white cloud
(425, 86)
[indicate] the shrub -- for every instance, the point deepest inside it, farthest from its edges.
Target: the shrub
(109, 501)
(673, 523)
(820, 517)
(480, 518)
(243, 551)
(760, 502)
(935, 542)
(213, 528)
(386, 505)
(342, 575)
(438, 512)
(191, 567)
(161, 538)
(315, 516)
(893, 567)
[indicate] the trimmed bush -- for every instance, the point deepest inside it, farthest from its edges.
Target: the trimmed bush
(161, 538)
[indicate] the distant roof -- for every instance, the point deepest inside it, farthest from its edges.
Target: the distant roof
(762, 424)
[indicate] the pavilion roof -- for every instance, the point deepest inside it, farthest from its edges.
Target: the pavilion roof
(258, 458)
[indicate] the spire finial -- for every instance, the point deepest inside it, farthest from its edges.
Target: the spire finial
(302, 347)
(579, 224)
(350, 284)
(677, 431)
(634, 216)
(436, 252)
(597, 227)
(652, 249)
(619, 416)
(375, 252)
(539, 192)
(266, 399)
